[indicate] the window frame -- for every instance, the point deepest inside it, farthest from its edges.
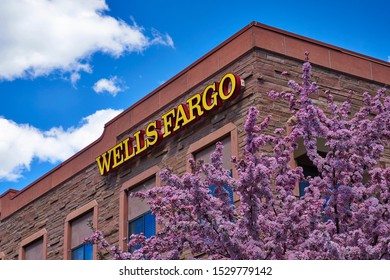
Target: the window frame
(127, 187)
(227, 130)
(31, 239)
(91, 206)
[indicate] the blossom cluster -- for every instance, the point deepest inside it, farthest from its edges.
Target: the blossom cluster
(344, 213)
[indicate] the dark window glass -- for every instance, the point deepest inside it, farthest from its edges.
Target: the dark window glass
(149, 225)
(82, 252)
(309, 169)
(145, 224)
(230, 192)
(79, 230)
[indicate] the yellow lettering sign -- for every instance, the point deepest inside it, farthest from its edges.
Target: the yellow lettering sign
(172, 121)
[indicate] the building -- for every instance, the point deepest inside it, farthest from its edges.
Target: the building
(48, 218)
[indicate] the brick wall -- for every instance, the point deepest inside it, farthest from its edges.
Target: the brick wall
(261, 71)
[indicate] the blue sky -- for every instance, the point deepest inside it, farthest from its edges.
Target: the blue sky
(67, 67)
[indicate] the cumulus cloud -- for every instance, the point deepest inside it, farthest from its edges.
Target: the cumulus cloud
(111, 85)
(41, 36)
(22, 142)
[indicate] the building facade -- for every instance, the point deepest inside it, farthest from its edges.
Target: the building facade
(205, 103)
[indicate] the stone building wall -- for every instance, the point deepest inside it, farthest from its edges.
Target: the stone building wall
(260, 69)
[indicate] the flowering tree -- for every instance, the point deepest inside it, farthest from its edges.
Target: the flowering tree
(342, 215)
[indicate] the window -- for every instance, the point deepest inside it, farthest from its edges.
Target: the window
(77, 228)
(34, 246)
(201, 150)
(82, 252)
(309, 169)
(140, 219)
(205, 153)
(146, 224)
(80, 230)
(34, 250)
(134, 214)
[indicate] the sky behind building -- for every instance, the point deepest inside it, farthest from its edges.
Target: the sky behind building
(68, 67)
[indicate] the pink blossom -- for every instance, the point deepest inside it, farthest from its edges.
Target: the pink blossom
(344, 213)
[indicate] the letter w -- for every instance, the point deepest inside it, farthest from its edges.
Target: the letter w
(104, 162)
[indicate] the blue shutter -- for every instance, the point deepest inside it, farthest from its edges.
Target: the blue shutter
(82, 252)
(88, 251)
(212, 190)
(229, 190)
(150, 225)
(136, 226)
(145, 224)
(302, 186)
(77, 253)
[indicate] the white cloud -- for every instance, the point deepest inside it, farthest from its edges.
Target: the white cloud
(22, 143)
(111, 85)
(39, 37)
(162, 39)
(74, 78)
